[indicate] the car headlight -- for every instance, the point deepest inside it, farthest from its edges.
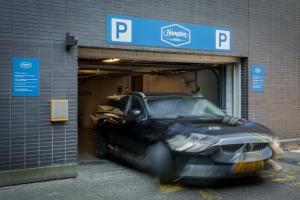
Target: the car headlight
(277, 150)
(193, 143)
(275, 142)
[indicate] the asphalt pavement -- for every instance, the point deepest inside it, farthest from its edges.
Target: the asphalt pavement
(292, 157)
(103, 179)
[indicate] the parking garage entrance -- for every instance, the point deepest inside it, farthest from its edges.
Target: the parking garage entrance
(106, 72)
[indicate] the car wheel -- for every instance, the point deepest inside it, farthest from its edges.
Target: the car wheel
(102, 149)
(160, 162)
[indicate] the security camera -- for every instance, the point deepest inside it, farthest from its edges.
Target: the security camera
(70, 41)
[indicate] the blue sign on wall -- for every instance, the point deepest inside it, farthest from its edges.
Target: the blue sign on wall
(25, 77)
(157, 33)
(258, 78)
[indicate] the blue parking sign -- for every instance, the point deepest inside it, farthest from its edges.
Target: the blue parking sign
(160, 33)
(25, 77)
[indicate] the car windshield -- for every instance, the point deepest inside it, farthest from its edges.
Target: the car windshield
(183, 107)
(118, 103)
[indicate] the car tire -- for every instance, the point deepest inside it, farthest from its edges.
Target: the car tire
(102, 148)
(160, 162)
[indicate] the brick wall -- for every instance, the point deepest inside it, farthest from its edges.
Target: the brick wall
(274, 41)
(244, 88)
(27, 138)
(265, 31)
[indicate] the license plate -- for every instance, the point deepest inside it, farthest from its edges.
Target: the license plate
(248, 167)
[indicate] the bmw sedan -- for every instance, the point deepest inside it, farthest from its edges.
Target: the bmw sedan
(179, 136)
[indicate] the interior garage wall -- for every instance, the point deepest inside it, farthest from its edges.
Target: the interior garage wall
(170, 83)
(207, 81)
(94, 92)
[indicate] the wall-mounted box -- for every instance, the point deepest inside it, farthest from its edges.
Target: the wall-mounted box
(59, 111)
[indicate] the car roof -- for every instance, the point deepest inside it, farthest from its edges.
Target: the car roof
(115, 97)
(155, 95)
(165, 94)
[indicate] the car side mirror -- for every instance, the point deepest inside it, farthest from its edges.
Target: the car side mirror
(134, 113)
(131, 117)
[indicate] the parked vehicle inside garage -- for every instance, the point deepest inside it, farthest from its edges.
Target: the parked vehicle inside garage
(179, 136)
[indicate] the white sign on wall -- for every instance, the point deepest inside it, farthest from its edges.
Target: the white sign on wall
(121, 30)
(222, 39)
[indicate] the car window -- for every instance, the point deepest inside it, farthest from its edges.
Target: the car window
(177, 107)
(137, 105)
(119, 104)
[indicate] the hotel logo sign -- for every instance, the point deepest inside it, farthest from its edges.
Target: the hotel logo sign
(175, 35)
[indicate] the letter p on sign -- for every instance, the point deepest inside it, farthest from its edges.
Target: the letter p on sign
(222, 40)
(121, 30)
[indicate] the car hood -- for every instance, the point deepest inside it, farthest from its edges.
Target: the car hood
(167, 128)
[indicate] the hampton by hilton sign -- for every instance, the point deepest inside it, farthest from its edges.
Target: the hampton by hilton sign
(157, 33)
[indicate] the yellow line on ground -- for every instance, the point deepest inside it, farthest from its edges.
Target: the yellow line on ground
(169, 188)
(296, 184)
(210, 194)
(287, 178)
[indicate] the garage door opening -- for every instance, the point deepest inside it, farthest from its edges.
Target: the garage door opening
(103, 73)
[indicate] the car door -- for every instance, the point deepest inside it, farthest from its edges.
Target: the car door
(131, 137)
(114, 129)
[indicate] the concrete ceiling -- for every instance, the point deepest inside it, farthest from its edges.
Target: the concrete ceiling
(98, 53)
(90, 61)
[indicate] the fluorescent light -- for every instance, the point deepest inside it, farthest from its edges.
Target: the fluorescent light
(110, 60)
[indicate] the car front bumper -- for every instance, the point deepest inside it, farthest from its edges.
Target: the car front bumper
(222, 165)
(210, 171)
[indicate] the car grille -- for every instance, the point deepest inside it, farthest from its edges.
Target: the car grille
(247, 148)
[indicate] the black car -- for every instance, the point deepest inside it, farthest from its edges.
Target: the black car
(181, 136)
